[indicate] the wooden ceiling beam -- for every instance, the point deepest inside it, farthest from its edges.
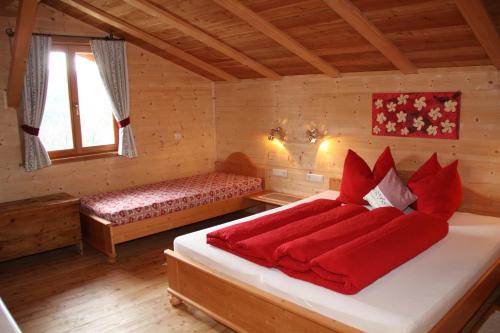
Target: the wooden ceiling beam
(481, 24)
(196, 33)
(355, 18)
(268, 29)
(127, 28)
(25, 23)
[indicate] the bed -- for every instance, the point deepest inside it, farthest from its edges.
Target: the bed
(459, 273)
(115, 217)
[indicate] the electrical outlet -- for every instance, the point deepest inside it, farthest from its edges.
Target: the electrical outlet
(280, 172)
(315, 178)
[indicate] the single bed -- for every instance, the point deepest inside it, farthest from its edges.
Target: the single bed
(115, 217)
(438, 291)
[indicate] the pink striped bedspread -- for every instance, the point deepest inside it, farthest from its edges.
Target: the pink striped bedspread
(145, 201)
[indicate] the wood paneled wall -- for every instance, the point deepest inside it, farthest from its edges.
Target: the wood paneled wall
(165, 99)
(246, 111)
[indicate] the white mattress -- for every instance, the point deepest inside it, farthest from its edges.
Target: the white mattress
(411, 298)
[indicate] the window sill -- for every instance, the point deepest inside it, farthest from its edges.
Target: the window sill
(87, 157)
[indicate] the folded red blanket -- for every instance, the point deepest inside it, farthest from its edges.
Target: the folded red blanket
(260, 248)
(343, 248)
(296, 255)
(225, 238)
(354, 265)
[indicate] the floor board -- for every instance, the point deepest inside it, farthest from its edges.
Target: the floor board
(61, 291)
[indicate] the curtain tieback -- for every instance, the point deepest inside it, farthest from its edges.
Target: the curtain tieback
(30, 130)
(124, 122)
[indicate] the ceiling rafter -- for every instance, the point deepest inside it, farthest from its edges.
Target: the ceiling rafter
(147, 38)
(196, 33)
(271, 31)
(355, 18)
(22, 41)
(481, 24)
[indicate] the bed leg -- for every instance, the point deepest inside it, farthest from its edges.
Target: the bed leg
(79, 247)
(99, 234)
(174, 300)
(111, 259)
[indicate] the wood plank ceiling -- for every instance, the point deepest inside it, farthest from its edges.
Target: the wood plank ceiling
(404, 34)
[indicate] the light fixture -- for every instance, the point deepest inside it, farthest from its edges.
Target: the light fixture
(313, 135)
(277, 133)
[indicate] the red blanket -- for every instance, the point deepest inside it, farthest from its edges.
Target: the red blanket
(345, 248)
(260, 248)
(354, 265)
(297, 254)
(226, 238)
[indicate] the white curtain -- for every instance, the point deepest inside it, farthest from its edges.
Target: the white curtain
(34, 95)
(111, 58)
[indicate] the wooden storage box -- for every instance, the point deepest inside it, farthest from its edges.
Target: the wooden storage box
(39, 224)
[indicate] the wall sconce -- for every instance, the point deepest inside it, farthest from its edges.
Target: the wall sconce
(313, 135)
(277, 133)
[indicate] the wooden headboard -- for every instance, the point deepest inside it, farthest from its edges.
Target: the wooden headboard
(472, 202)
(239, 163)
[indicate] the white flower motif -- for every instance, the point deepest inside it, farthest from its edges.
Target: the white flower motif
(418, 123)
(450, 106)
(381, 118)
(435, 114)
(391, 127)
(447, 126)
(432, 130)
(420, 103)
(401, 116)
(376, 129)
(403, 99)
(379, 103)
(391, 107)
(405, 131)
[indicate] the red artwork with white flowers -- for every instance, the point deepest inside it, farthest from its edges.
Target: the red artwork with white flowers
(424, 115)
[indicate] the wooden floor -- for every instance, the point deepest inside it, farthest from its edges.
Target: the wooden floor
(61, 291)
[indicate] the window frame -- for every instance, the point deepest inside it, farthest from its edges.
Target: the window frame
(71, 47)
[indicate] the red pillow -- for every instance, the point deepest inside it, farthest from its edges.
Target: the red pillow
(438, 190)
(430, 167)
(358, 179)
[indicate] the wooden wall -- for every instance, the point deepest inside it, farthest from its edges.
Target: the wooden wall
(246, 111)
(164, 99)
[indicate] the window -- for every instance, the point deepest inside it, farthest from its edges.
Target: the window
(78, 118)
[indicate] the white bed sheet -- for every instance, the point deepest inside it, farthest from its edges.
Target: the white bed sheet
(411, 298)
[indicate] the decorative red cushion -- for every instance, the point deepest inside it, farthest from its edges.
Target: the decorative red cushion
(438, 190)
(358, 179)
(430, 167)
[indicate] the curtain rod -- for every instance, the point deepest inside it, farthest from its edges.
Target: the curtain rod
(10, 33)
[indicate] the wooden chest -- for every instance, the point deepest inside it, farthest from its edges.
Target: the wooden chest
(39, 224)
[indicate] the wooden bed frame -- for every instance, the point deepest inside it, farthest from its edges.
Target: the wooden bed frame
(245, 308)
(103, 235)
